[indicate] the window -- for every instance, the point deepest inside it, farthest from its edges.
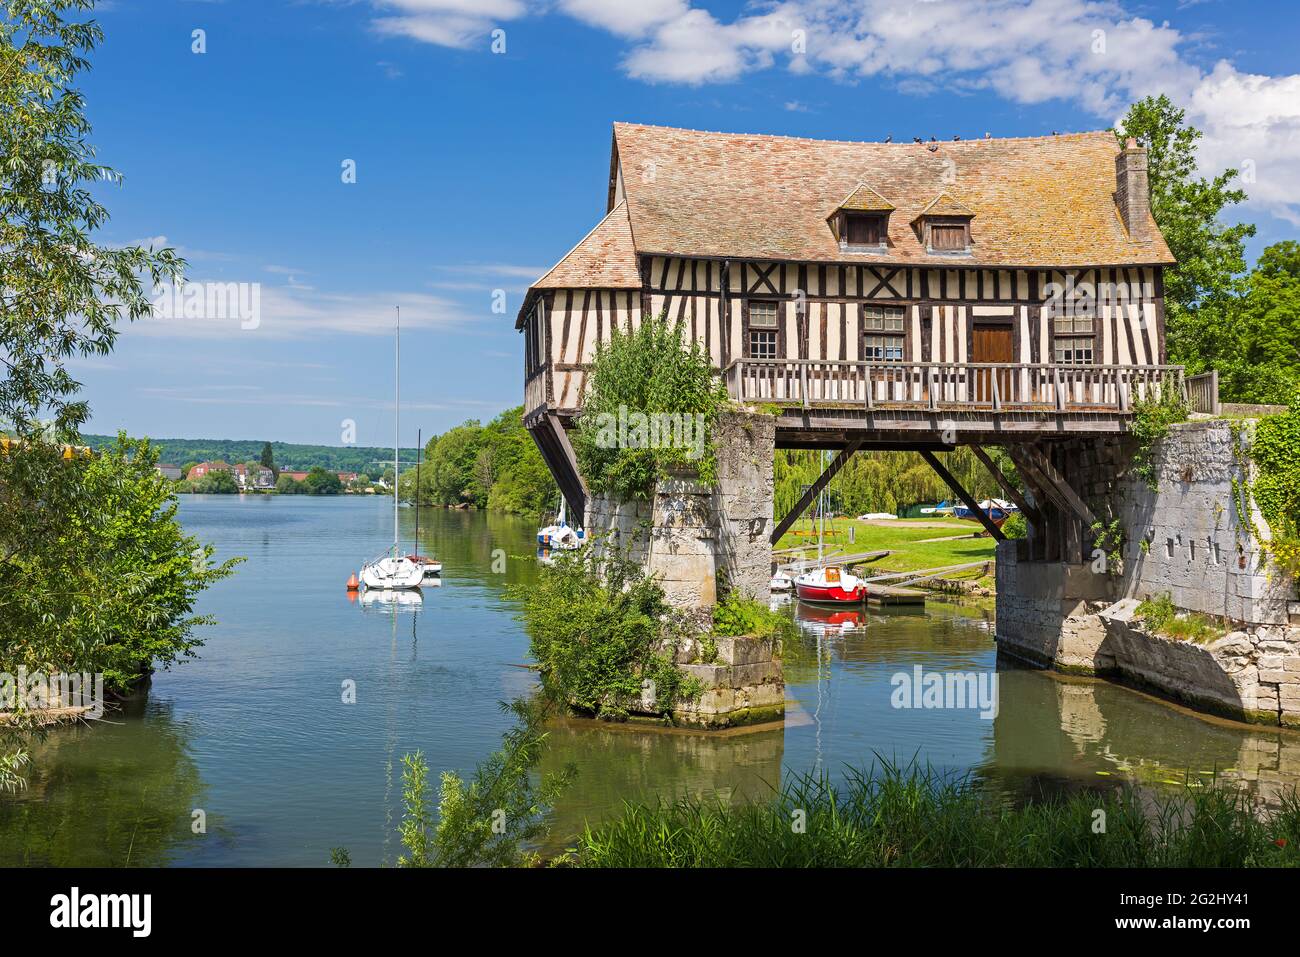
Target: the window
(884, 339)
(763, 338)
(1073, 350)
(864, 230)
(948, 238)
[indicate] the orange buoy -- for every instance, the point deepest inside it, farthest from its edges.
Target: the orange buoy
(353, 584)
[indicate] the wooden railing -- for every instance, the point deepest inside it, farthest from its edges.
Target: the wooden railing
(934, 385)
(1203, 392)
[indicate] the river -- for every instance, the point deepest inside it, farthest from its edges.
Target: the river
(254, 741)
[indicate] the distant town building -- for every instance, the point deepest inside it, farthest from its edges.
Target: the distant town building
(263, 478)
(348, 478)
(169, 472)
(203, 468)
(296, 476)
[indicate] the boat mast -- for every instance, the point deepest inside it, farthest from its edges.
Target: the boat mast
(397, 412)
(419, 446)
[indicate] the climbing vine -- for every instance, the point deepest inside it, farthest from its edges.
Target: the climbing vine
(1151, 421)
(1274, 450)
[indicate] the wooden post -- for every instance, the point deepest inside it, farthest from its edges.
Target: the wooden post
(814, 490)
(964, 495)
(1010, 490)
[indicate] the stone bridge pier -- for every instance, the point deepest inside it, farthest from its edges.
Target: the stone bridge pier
(1187, 539)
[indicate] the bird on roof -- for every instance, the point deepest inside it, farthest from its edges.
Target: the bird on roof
(933, 147)
(988, 135)
(889, 138)
(956, 138)
(916, 139)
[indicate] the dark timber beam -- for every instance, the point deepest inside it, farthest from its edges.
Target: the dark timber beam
(553, 442)
(1010, 490)
(1049, 472)
(814, 490)
(964, 495)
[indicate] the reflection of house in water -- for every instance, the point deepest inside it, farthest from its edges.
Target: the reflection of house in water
(1062, 734)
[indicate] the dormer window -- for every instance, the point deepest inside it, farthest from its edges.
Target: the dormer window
(944, 226)
(861, 222)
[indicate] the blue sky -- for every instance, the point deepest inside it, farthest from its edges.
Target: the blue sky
(476, 170)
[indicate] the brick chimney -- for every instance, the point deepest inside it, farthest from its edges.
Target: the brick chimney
(1132, 193)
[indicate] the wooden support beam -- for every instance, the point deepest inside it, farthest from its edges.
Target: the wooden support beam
(1049, 472)
(814, 490)
(553, 442)
(964, 495)
(1008, 489)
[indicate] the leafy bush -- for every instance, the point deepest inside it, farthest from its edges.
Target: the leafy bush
(492, 819)
(598, 629)
(1015, 526)
(736, 616)
(649, 371)
(1161, 616)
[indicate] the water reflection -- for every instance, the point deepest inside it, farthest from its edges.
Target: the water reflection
(256, 733)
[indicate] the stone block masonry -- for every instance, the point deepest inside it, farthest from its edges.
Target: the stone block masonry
(1186, 540)
(690, 537)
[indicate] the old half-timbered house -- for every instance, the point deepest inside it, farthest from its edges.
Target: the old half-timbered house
(884, 295)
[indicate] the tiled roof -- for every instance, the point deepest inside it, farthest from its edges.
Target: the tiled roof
(864, 199)
(945, 205)
(1041, 201)
(605, 259)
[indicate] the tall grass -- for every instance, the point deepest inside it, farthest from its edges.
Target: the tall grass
(908, 817)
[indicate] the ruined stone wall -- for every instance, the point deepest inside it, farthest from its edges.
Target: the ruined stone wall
(1185, 540)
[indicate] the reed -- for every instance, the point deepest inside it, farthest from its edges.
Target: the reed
(912, 817)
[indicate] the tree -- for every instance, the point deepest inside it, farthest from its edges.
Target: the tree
(217, 482)
(62, 294)
(1257, 347)
(321, 481)
(288, 485)
(268, 460)
(1211, 255)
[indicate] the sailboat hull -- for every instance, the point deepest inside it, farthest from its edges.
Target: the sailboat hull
(391, 574)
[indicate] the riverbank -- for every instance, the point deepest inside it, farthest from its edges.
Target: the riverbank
(912, 543)
(911, 817)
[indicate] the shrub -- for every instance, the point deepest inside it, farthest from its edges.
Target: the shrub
(1015, 526)
(646, 371)
(736, 616)
(1151, 421)
(597, 625)
(1162, 617)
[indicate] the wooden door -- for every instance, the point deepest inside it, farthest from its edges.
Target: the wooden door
(992, 343)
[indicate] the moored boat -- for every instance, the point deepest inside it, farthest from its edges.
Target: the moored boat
(830, 585)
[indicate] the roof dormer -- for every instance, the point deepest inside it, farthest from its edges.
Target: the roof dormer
(861, 222)
(944, 226)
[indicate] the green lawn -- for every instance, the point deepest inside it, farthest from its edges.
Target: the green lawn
(904, 538)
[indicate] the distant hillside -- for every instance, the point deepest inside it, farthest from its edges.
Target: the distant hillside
(345, 458)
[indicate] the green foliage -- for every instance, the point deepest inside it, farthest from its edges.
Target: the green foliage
(1152, 418)
(912, 818)
(340, 857)
(267, 459)
(1110, 538)
(62, 293)
(647, 371)
(598, 629)
(884, 481)
(1188, 209)
(495, 466)
(494, 818)
(285, 455)
(1161, 616)
(736, 616)
(1275, 450)
(217, 482)
(288, 485)
(321, 481)
(101, 577)
(1015, 526)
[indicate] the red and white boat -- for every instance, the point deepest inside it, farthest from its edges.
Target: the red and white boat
(830, 585)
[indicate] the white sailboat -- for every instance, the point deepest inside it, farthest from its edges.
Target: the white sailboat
(561, 535)
(393, 571)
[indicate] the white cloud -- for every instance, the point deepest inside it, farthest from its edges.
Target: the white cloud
(449, 23)
(629, 19)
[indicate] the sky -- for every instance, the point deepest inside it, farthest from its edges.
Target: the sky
(346, 157)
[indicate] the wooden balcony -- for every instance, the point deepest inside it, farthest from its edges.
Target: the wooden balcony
(971, 396)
